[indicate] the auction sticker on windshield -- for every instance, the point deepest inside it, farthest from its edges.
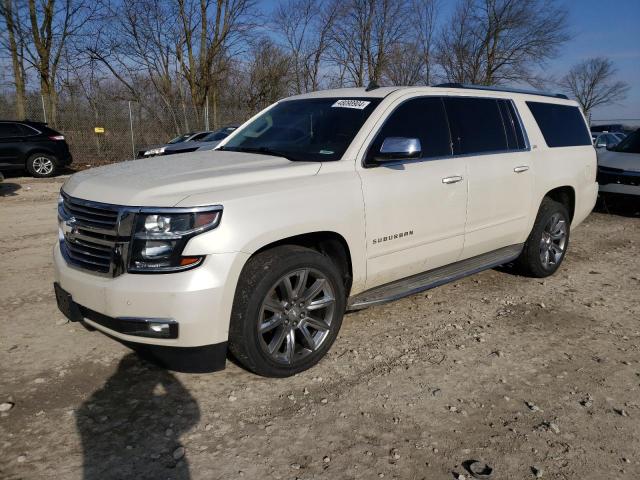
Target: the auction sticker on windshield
(357, 104)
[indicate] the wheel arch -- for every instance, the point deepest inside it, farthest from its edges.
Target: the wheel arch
(329, 243)
(566, 195)
(39, 150)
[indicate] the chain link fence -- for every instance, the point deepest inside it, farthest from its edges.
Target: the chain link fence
(112, 130)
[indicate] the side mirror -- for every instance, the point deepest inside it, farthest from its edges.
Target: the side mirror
(396, 148)
(601, 145)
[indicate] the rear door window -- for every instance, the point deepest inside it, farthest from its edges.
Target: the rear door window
(9, 129)
(423, 118)
(561, 125)
(26, 130)
(476, 125)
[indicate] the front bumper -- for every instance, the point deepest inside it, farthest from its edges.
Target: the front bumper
(615, 180)
(198, 302)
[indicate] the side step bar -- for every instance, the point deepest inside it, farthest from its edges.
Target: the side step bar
(433, 278)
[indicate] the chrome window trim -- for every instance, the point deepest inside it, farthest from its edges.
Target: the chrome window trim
(527, 147)
(38, 132)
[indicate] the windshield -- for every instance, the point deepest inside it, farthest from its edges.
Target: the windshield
(630, 144)
(179, 139)
(218, 135)
(318, 129)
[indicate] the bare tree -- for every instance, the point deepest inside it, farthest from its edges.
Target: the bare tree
(15, 45)
(592, 83)
(306, 26)
(426, 15)
(210, 30)
(491, 42)
(364, 34)
(405, 65)
(410, 61)
(268, 75)
(51, 25)
(138, 40)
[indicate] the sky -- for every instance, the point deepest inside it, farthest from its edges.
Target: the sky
(609, 29)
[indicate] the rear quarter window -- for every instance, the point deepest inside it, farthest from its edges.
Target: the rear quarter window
(561, 125)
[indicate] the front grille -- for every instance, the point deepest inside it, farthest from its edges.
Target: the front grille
(607, 175)
(89, 237)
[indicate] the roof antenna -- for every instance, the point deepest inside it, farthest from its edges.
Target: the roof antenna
(372, 86)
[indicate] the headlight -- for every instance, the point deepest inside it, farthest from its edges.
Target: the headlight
(160, 236)
(155, 151)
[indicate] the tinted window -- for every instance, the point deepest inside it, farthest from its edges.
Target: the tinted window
(561, 125)
(476, 125)
(631, 143)
(512, 127)
(26, 130)
(199, 136)
(9, 130)
(312, 129)
(422, 118)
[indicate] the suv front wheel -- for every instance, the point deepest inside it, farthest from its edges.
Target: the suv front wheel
(42, 165)
(287, 311)
(548, 241)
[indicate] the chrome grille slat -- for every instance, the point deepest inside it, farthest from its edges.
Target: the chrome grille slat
(76, 257)
(99, 241)
(84, 218)
(91, 211)
(92, 243)
(89, 251)
(94, 246)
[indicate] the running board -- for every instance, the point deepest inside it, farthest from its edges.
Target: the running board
(433, 278)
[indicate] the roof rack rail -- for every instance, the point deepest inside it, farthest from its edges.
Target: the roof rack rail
(501, 89)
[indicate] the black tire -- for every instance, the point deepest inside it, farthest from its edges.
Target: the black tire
(531, 261)
(259, 277)
(42, 165)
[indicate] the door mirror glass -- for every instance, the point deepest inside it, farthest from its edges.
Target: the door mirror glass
(395, 148)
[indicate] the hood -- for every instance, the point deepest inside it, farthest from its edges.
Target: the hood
(621, 160)
(165, 181)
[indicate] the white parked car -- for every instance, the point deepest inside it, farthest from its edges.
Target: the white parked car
(619, 166)
(323, 202)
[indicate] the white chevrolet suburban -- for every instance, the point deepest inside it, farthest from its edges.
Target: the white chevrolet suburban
(321, 203)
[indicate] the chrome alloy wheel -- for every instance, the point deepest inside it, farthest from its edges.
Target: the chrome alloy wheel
(295, 316)
(42, 165)
(553, 241)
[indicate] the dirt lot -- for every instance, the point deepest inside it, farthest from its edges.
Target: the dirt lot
(520, 373)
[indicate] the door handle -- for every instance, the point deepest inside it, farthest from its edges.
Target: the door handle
(453, 179)
(521, 168)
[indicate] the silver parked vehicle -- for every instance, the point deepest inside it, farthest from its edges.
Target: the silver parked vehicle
(619, 166)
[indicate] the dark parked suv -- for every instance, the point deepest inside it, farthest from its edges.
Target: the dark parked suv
(34, 146)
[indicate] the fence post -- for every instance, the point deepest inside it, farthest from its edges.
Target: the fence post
(206, 113)
(133, 143)
(44, 110)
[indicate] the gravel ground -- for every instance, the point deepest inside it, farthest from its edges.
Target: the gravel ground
(533, 377)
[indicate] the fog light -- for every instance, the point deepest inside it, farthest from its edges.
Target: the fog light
(162, 328)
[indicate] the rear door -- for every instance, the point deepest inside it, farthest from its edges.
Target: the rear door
(11, 139)
(415, 208)
(488, 133)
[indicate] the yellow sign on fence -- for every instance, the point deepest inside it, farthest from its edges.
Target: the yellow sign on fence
(98, 129)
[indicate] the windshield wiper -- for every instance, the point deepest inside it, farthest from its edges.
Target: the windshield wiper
(262, 151)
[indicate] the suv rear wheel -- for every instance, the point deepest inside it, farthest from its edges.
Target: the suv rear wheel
(42, 165)
(287, 311)
(547, 244)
